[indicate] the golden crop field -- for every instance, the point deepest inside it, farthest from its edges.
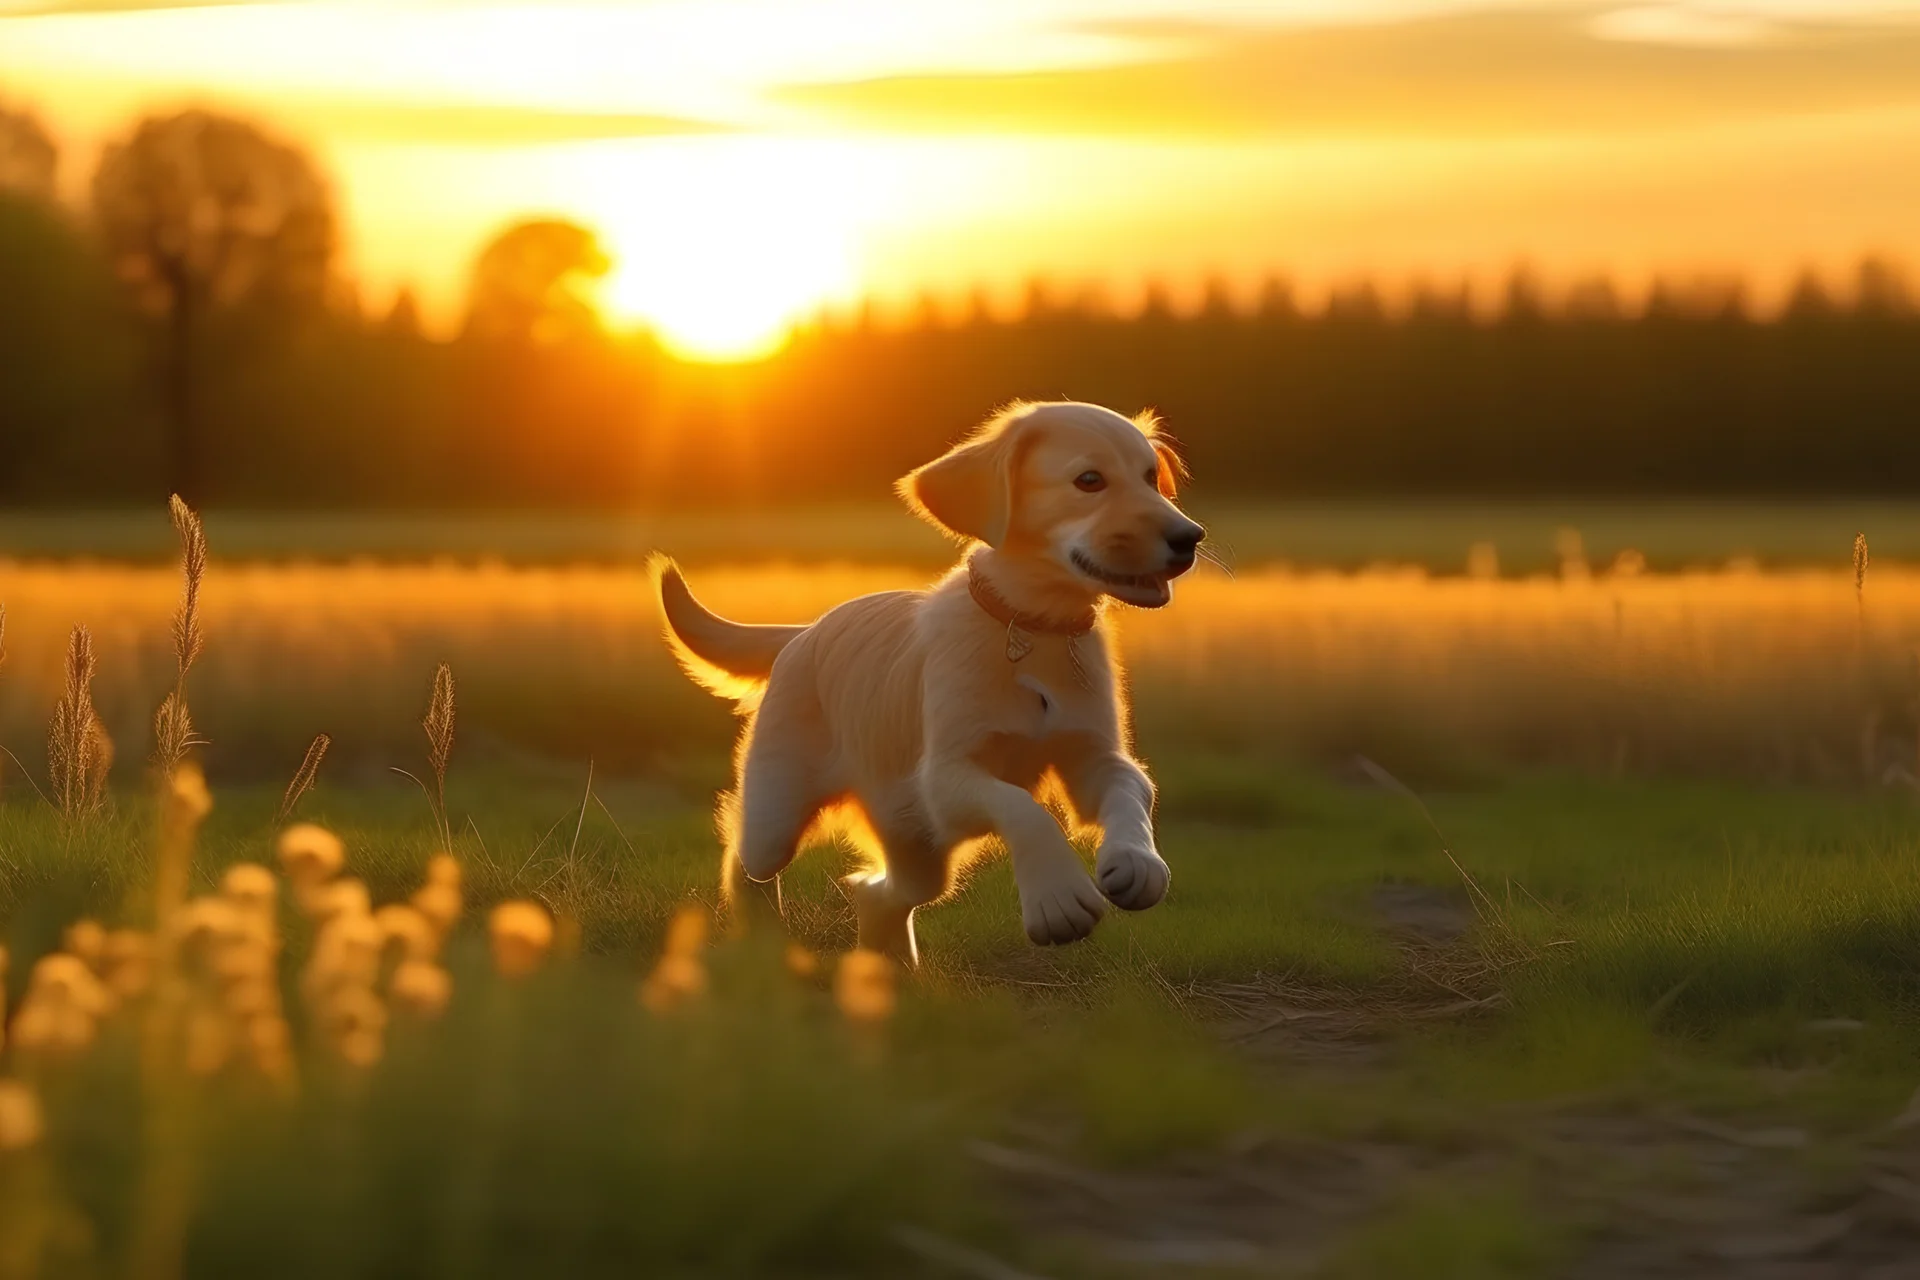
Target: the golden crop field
(1780, 674)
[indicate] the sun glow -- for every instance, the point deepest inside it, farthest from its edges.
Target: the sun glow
(722, 245)
(724, 286)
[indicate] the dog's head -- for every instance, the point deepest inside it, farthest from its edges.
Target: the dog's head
(1082, 486)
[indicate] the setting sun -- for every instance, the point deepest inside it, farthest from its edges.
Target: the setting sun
(721, 246)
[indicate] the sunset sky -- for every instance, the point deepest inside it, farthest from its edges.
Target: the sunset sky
(748, 161)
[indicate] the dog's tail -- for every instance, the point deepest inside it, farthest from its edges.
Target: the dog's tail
(733, 659)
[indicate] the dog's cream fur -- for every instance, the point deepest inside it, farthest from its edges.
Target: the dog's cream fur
(902, 711)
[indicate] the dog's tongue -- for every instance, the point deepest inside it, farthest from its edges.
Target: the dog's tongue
(1154, 596)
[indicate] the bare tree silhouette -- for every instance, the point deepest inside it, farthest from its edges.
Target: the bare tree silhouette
(528, 283)
(28, 158)
(199, 212)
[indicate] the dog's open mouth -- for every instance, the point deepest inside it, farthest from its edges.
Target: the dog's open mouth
(1148, 590)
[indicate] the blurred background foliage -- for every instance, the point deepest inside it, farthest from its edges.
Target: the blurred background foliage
(191, 330)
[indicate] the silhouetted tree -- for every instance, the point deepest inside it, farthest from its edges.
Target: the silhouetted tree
(66, 362)
(528, 284)
(200, 212)
(28, 158)
(1525, 301)
(1276, 303)
(1881, 290)
(1595, 300)
(1810, 300)
(403, 317)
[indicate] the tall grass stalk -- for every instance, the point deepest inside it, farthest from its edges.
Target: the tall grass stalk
(1860, 562)
(303, 777)
(438, 725)
(173, 733)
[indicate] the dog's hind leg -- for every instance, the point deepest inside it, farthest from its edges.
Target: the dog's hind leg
(750, 902)
(779, 793)
(917, 872)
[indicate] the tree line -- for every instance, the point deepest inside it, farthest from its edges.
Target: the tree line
(190, 331)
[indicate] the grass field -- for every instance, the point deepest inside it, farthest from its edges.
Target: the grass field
(1550, 925)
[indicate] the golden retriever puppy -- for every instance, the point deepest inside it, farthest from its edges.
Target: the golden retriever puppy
(929, 720)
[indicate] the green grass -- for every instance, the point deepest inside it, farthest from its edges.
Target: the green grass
(1643, 948)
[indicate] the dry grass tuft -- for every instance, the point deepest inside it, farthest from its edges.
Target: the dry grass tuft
(79, 752)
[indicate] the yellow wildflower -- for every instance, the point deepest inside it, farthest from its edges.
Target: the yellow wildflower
(680, 976)
(421, 987)
(310, 854)
(407, 931)
(863, 986)
(127, 961)
(66, 980)
(521, 933)
(439, 902)
(801, 963)
(55, 1028)
(21, 1121)
(687, 932)
(347, 953)
(86, 940)
(356, 1021)
(201, 922)
(674, 981)
(362, 1048)
(340, 898)
(250, 888)
(187, 791)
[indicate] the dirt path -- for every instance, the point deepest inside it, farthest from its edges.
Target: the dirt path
(1635, 1193)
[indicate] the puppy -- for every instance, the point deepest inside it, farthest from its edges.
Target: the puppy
(929, 720)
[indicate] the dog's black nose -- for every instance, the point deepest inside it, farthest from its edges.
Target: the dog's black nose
(1183, 541)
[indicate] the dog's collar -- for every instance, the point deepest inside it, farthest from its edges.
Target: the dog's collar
(995, 605)
(1022, 627)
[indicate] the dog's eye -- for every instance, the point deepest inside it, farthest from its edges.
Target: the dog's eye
(1090, 482)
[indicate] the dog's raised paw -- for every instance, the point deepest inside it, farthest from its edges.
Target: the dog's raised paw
(1061, 913)
(1132, 878)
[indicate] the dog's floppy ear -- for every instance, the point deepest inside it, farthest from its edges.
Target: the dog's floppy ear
(968, 490)
(1172, 468)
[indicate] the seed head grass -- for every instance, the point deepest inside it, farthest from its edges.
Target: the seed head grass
(173, 731)
(79, 752)
(303, 777)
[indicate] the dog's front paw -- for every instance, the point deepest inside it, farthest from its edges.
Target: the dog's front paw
(1063, 911)
(1133, 877)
